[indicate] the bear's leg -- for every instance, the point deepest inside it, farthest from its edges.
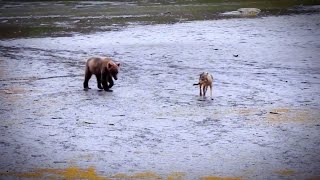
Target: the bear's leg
(98, 76)
(110, 81)
(105, 83)
(86, 80)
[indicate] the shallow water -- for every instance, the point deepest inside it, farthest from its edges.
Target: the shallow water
(262, 124)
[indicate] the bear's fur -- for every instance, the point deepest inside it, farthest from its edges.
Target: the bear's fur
(104, 69)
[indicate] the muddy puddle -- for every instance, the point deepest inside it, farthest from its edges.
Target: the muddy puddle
(262, 124)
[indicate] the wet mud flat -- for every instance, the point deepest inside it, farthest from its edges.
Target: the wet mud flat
(262, 124)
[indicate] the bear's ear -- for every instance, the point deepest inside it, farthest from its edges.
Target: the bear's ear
(118, 64)
(109, 65)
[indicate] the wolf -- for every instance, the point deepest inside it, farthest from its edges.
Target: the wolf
(205, 81)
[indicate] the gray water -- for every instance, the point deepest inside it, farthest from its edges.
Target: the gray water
(262, 124)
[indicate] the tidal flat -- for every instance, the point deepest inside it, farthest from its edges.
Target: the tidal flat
(262, 124)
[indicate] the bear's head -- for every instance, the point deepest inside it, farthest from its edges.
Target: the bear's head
(113, 69)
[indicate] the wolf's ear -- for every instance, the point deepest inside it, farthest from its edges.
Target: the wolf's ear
(118, 64)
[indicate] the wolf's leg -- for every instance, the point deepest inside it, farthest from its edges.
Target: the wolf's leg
(211, 92)
(205, 90)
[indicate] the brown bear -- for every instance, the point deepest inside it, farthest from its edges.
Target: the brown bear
(104, 69)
